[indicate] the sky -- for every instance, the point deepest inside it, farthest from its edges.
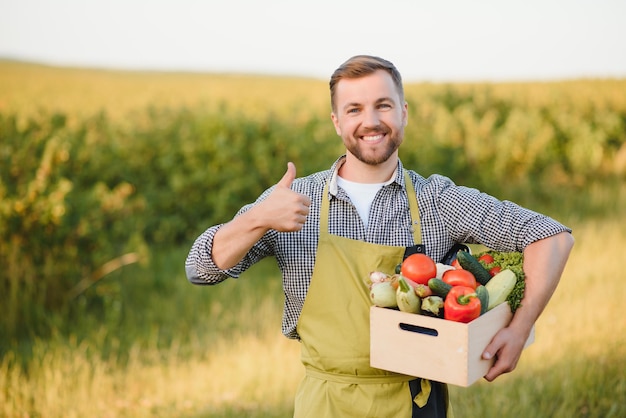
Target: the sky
(434, 40)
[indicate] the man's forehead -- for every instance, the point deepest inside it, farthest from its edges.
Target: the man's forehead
(370, 88)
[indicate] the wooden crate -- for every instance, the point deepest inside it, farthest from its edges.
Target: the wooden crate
(433, 348)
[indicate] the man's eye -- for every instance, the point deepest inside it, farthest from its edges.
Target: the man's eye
(384, 106)
(353, 110)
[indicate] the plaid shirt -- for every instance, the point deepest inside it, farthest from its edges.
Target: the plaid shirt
(449, 214)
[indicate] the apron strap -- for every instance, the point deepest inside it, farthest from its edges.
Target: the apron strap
(416, 225)
(325, 211)
(360, 379)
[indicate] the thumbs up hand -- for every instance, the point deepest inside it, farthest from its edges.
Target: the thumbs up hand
(284, 209)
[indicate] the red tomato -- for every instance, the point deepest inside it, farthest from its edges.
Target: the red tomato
(459, 278)
(495, 270)
(456, 264)
(486, 258)
(419, 267)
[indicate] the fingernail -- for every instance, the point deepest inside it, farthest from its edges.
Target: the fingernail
(486, 355)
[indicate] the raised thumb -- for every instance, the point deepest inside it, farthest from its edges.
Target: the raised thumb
(289, 177)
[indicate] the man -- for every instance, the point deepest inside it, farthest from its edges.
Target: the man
(330, 229)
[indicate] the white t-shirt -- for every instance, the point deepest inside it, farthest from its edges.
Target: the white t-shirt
(361, 194)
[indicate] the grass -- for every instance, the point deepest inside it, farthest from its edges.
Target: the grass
(185, 351)
(240, 376)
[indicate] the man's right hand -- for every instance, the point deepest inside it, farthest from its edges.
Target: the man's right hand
(285, 210)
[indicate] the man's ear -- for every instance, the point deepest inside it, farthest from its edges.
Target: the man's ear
(405, 114)
(335, 123)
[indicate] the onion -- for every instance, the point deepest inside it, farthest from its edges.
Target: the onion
(442, 268)
(378, 277)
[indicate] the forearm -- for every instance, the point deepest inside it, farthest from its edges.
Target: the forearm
(234, 239)
(544, 262)
(202, 269)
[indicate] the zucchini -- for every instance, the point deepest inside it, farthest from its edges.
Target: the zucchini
(483, 295)
(471, 264)
(500, 287)
(439, 287)
(407, 299)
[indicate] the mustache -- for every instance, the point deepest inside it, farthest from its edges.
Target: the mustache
(380, 129)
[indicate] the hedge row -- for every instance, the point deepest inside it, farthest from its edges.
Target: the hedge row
(74, 198)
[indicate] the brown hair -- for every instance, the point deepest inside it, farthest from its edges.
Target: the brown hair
(360, 66)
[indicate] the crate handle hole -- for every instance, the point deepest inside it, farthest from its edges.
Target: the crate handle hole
(420, 330)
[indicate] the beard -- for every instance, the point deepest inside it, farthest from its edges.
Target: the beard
(374, 155)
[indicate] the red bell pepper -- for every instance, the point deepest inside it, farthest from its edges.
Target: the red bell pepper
(461, 304)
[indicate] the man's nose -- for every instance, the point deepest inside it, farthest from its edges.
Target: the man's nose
(371, 118)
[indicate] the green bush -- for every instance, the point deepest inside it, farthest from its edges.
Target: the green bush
(59, 223)
(79, 200)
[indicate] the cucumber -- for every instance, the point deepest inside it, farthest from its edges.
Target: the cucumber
(483, 295)
(439, 287)
(471, 264)
(500, 286)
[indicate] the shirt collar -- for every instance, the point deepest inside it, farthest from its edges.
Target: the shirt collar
(332, 185)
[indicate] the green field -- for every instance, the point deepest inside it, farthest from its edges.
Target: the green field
(96, 165)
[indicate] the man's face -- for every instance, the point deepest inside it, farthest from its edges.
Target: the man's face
(370, 117)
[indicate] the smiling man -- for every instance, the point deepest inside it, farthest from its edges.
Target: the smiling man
(330, 229)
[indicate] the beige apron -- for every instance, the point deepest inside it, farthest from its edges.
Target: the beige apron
(334, 332)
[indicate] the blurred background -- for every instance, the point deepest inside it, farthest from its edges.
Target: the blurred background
(129, 127)
(448, 40)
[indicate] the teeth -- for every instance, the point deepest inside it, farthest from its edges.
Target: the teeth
(372, 138)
